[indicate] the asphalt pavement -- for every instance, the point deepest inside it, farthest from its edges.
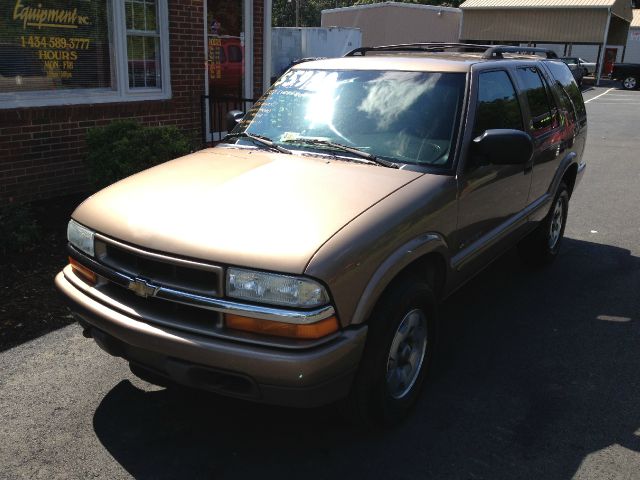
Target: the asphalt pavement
(537, 375)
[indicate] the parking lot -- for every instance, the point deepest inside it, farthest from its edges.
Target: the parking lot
(537, 374)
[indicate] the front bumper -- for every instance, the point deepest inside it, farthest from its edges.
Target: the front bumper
(302, 377)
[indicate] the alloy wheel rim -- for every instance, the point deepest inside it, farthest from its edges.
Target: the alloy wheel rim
(407, 353)
(555, 228)
(630, 82)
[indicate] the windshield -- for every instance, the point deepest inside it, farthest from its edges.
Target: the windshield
(406, 117)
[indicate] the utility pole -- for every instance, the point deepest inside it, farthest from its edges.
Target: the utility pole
(297, 13)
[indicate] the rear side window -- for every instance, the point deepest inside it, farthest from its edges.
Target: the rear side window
(498, 105)
(563, 76)
(541, 107)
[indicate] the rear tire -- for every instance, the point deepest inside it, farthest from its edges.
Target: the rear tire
(541, 247)
(630, 82)
(397, 355)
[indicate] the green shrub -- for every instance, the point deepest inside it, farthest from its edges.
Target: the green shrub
(19, 230)
(125, 147)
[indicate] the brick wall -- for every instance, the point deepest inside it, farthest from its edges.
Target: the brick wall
(42, 149)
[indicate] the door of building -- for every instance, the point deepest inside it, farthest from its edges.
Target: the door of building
(610, 55)
(228, 73)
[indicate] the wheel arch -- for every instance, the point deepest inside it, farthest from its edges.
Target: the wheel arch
(567, 170)
(425, 257)
(569, 177)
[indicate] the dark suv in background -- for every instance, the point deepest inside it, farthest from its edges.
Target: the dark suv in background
(628, 74)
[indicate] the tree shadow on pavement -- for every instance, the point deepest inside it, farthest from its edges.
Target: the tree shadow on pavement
(535, 371)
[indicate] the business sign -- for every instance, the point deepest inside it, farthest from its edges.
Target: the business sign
(53, 44)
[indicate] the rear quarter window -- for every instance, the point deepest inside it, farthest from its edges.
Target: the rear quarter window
(562, 75)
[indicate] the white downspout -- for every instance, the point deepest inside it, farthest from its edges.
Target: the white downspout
(266, 46)
(604, 48)
(248, 49)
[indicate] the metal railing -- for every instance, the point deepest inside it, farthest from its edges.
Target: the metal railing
(214, 109)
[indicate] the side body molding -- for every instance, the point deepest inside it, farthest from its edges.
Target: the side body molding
(394, 264)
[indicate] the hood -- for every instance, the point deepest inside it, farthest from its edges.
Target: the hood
(240, 206)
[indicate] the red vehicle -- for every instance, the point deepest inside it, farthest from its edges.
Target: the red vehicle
(226, 65)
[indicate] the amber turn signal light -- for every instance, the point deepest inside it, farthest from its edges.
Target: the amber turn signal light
(83, 271)
(308, 331)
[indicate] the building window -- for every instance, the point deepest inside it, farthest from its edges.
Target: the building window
(143, 44)
(83, 51)
(52, 47)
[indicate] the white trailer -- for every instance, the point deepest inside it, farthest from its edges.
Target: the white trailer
(293, 43)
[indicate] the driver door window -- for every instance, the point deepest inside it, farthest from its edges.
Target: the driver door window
(498, 105)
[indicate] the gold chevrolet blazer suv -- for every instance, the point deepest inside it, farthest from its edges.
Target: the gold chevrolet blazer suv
(301, 261)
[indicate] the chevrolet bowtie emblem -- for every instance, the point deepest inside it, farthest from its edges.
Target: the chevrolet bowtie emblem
(142, 288)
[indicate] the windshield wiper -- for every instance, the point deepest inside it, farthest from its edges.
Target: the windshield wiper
(267, 142)
(345, 148)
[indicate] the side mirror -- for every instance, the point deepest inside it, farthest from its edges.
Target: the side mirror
(233, 118)
(503, 147)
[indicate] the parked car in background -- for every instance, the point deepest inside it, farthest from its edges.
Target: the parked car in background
(628, 74)
(576, 69)
(588, 68)
(301, 262)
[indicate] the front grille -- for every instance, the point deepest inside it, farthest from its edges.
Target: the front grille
(185, 275)
(169, 314)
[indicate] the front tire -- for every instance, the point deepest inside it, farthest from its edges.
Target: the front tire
(399, 349)
(543, 245)
(630, 82)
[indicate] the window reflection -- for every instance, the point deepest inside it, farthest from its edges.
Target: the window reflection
(405, 116)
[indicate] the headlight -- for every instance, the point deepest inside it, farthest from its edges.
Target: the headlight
(80, 237)
(275, 289)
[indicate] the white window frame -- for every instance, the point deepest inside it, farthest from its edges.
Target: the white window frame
(148, 34)
(122, 92)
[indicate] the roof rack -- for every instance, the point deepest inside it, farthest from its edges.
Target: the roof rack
(416, 47)
(497, 51)
(488, 51)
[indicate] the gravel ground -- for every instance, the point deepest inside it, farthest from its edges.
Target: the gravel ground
(29, 307)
